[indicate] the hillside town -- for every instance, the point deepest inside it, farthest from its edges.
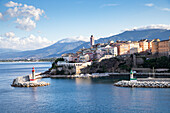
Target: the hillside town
(111, 49)
(100, 51)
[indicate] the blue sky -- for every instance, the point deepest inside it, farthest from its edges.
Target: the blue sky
(73, 18)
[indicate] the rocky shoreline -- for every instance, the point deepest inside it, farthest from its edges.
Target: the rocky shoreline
(144, 84)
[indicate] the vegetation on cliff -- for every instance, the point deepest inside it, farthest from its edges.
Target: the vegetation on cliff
(125, 64)
(117, 64)
(62, 70)
(162, 62)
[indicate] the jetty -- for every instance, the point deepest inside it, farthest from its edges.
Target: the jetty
(93, 75)
(29, 80)
(145, 84)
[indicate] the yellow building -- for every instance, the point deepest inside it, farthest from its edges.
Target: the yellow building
(155, 46)
(123, 48)
(161, 47)
(128, 48)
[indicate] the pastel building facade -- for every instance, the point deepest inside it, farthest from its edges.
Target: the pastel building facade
(161, 48)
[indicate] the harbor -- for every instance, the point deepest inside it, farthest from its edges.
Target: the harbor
(75, 95)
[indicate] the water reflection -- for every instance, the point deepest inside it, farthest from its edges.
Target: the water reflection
(34, 93)
(80, 81)
(93, 95)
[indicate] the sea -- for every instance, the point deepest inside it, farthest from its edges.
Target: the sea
(79, 95)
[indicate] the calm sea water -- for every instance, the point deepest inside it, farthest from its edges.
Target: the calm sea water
(76, 95)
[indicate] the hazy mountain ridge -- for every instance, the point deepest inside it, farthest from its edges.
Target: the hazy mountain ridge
(56, 48)
(70, 47)
(5, 50)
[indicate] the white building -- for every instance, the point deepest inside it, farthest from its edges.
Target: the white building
(84, 58)
(113, 51)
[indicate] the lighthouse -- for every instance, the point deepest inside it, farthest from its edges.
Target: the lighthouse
(33, 75)
(132, 79)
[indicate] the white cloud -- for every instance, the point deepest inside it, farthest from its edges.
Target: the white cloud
(25, 24)
(160, 8)
(165, 9)
(109, 5)
(1, 16)
(81, 38)
(153, 26)
(25, 11)
(27, 43)
(9, 34)
(12, 4)
(149, 4)
(30, 11)
(25, 15)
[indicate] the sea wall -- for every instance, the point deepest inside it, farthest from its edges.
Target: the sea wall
(126, 76)
(146, 84)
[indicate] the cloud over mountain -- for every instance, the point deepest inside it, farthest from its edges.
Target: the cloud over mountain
(9, 40)
(74, 39)
(153, 26)
(25, 15)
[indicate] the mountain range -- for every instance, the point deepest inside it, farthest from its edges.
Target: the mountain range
(71, 46)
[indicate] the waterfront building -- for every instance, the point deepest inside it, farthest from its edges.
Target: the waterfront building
(84, 58)
(68, 57)
(164, 47)
(155, 46)
(91, 55)
(161, 48)
(99, 53)
(134, 47)
(123, 48)
(113, 51)
(78, 66)
(144, 45)
(150, 45)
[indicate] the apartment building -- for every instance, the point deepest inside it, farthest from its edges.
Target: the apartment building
(161, 48)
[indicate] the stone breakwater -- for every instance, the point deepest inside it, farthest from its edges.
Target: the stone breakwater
(30, 84)
(23, 81)
(146, 84)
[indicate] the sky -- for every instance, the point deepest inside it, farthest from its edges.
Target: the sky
(33, 24)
